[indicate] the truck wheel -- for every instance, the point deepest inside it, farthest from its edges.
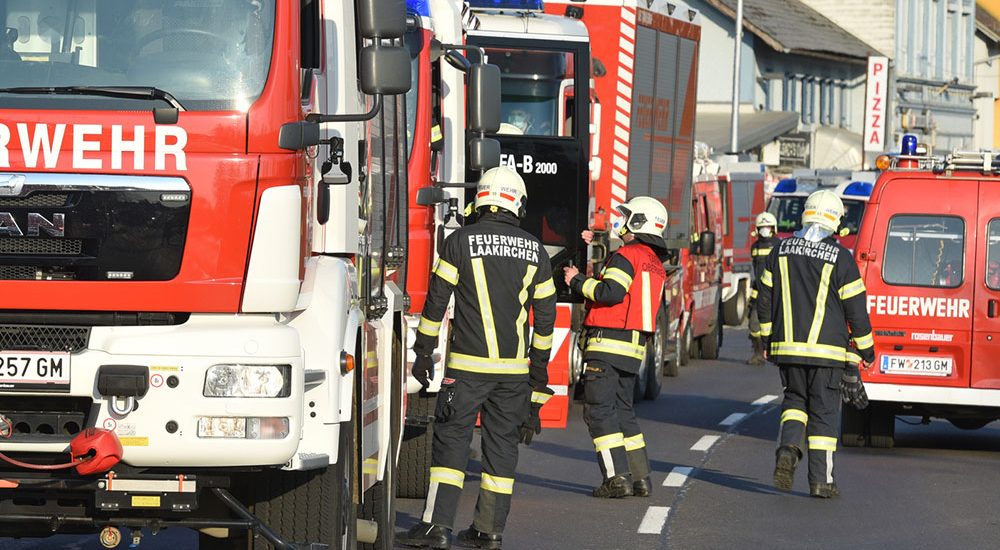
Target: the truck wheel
(881, 427)
(641, 379)
(735, 310)
(688, 345)
(655, 351)
(672, 359)
(853, 424)
(969, 423)
(415, 453)
(710, 342)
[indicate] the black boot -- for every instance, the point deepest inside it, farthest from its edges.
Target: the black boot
(616, 487)
(642, 487)
(474, 538)
(784, 467)
(426, 535)
(824, 490)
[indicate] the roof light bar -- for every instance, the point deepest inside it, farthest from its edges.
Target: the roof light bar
(509, 5)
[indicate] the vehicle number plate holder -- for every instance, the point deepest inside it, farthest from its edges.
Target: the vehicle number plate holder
(34, 371)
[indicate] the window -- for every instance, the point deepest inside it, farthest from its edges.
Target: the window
(924, 251)
(993, 254)
(788, 211)
(536, 86)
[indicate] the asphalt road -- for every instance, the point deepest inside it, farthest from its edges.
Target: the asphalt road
(711, 441)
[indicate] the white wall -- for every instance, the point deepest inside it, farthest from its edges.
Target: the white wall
(715, 63)
(873, 21)
(987, 78)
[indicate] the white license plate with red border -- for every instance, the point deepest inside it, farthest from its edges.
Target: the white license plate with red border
(917, 366)
(34, 371)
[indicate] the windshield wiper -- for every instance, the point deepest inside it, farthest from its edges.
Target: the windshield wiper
(127, 92)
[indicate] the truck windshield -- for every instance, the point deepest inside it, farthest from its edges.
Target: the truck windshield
(209, 54)
(788, 211)
(535, 86)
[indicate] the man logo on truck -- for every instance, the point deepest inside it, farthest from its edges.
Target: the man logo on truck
(56, 227)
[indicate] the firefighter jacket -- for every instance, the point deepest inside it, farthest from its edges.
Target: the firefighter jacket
(812, 305)
(625, 298)
(759, 251)
(498, 273)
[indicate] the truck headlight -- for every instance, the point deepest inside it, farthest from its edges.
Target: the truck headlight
(247, 381)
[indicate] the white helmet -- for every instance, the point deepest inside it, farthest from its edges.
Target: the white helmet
(823, 208)
(766, 219)
(503, 188)
(646, 217)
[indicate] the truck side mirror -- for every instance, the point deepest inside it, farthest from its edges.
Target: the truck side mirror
(382, 18)
(384, 70)
(484, 153)
(706, 244)
(484, 98)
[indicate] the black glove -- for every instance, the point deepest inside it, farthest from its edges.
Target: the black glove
(533, 424)
(853, 391)
(423, 370)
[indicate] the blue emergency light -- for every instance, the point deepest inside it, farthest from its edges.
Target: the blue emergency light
(786, 185)
(419, 7)
(859, 189)
(510, 5)
(909, 146)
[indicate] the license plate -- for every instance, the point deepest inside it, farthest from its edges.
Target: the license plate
(919, 366)
(31, 371)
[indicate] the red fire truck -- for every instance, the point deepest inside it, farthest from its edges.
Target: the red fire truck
(742, 187)
(929, 253)
(200, 259)
(703, 260)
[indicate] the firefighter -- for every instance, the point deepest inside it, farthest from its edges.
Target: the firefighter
(811, 307)
(498, 273)
(622, 306)
(767, 226)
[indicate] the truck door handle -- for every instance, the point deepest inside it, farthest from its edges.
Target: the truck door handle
(991, 309)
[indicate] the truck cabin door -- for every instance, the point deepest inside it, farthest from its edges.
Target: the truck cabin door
(986, 305)
(920, 280)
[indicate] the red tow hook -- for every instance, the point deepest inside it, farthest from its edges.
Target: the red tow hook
(93, 451)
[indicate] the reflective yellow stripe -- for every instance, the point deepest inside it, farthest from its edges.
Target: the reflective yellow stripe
(794, 415)
(761, 251)
(545, 289)
(539, 341)
(540, 397)
(786, 300)
(765, 329)
(496, 484)
(485, 308)
(609, 441)
(766, 278)
(634, 443)
(865, 341)
(589, 286)
(647, 303)
(853, 358)
(822, 443)
(851, 290)
(447, 476)
(370, 466)
(800, 349)
(618, 276)
(487, 365)
(753, 293)
(436, 134)
(617, 347)
(522, 316)
(820, 312)
(754, 334)
(446, 271)
(428, 327)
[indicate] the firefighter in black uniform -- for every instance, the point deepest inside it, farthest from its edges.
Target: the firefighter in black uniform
(812, 306)
(498, 273)
(766, 225)
(622, 306)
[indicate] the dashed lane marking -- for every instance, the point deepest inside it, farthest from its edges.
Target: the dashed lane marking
(678, 476)
(732, 419)
(705, 443)
(653, 521)
(766, 399)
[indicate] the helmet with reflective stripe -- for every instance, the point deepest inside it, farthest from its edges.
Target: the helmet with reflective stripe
(766, 219)
(823, 208)
(646, 217)
(503, 188)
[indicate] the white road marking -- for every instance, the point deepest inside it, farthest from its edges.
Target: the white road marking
(653, 521)
(705, 443)
(732, 419)
(678, 476)
(766, 399)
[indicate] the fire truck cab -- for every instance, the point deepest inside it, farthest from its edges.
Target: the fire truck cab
(929, 253)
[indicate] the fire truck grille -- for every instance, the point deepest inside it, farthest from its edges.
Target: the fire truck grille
(46, 418)
(41, 247)
(43, 338)
(36, 200)
(17, 272)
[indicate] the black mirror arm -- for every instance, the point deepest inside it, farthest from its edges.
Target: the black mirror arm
(355, 117)
(478, 49)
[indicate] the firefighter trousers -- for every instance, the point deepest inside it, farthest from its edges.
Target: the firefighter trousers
(609, 414)
(811, 412)
(502, 408)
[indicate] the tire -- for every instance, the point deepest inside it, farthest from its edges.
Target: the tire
(655, 351)
(672, 364)
(641, 379)
(687, 343)
(735, 310)
(882, 427)
(413, 475)
(969, 423)
(710, 342)
(853, 425)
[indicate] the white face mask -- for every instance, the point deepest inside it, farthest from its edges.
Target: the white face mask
(764, 232)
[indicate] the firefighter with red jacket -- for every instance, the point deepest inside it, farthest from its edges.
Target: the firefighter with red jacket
(498, 273)
(622, 306)
(766, 225)
(812, 307)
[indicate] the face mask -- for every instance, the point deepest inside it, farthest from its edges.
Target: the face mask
(618, 226)
(764, 232)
